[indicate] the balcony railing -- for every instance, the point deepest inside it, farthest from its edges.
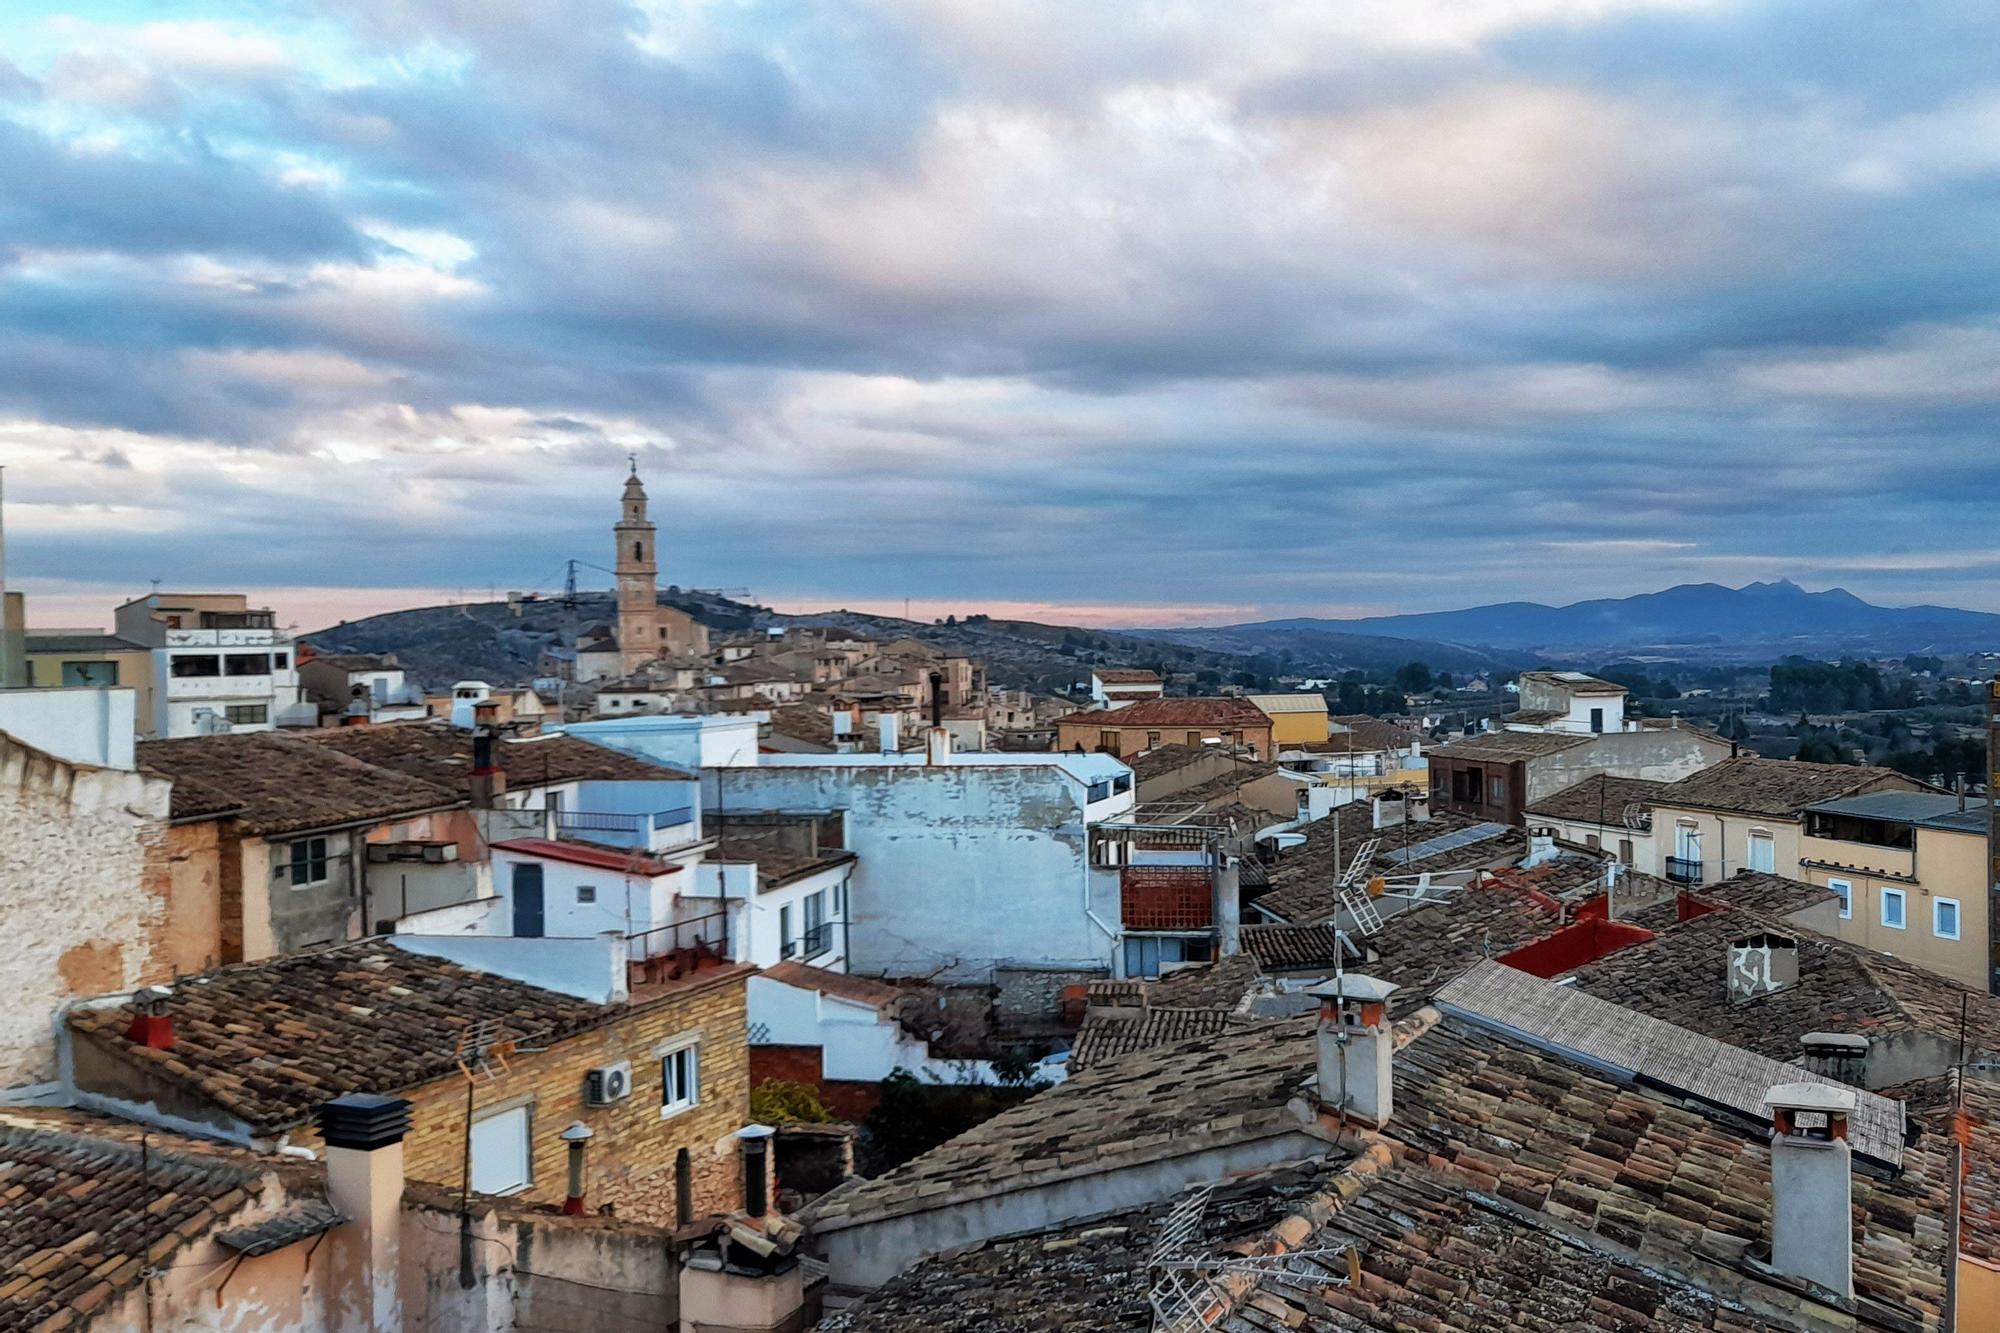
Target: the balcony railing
(1681, 870)
(817, 940)
(623, 830)
(667, 952)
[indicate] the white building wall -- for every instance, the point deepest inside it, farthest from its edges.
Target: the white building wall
(77, 725)
(755, 925)
(857, 1043)
(679, 742)
(959, 867)
(625, 903)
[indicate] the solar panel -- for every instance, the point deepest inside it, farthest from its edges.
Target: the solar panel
(1447, 842)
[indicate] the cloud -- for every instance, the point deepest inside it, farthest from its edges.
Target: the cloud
(1201, 311)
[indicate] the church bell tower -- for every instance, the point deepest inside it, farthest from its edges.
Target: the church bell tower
(638, 579)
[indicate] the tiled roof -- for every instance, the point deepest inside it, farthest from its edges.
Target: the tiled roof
(82, 643)
(1359, 731)
(1754, 890)
(1224, 785)
(1507, 746)
(1979, 1132)
(1220, 985)
(353, 661)
(1118, 676)
(861, 990)
(802, 722)
(1104, 1037)
(1929, 808)
(1603, 800)
(440, 753)
(1303, 877)
(1199, 713)
(778, 866)
(1533, 717)
(82, 1219)
(1227, 1088)
(1301, 702)
(268, 1042)
(1681, 976)
(618, 860)
(283, 784)
(1573, 682)
(1126, 1016)
(1779, 788)
(1163, 759)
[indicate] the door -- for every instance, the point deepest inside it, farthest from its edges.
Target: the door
(527, 901)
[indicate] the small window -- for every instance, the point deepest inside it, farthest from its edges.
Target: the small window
(788, 946)
(1944, 918)
(255, 715)
(501, 1163)
(1194, 738)
(185, 667)
(280, 661)
(1496, 791)
(1625, 851)
(1108, 741)
(1590, 840)
(840, 900)
(1763, 851)
(1893, 915)
(1845, 888)
(246, 664)
(586, 893)
(308, 862)
(1152, 740)
(680, 1080)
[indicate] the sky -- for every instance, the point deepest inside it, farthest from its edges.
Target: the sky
(1141, 313)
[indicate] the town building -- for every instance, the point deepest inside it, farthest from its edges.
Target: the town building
(1911, 871)
(1615, 814)
(1360, 757)
(359, 689)
(1749, 814)
(1114, 687)
(1570, 701)
(217, 663)
(1500, 774)
(88, 657)
(525, 1037)
(1130, 729)
(1298, 718)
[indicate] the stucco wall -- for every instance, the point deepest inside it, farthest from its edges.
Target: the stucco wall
(1944, 864)
(84, 864)
(960, 867)
(1664, 755)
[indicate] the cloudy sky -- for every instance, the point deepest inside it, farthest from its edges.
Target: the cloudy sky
(1123, 313)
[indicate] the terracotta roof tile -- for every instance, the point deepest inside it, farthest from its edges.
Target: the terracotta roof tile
(1506, 746)
(1603, 800)
(845, 985)
(1779, 788)
(268, 1042)
(1303, 877)
(284, 784)
(440, 753)
(1203, 712)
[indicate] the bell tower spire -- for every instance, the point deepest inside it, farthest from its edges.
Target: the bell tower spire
(638, 576)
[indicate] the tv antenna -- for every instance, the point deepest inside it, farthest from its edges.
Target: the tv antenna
(1187, 1295)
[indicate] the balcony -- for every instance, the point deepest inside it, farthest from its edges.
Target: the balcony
(676, 950)
(645, 831)
(1681, 870)
(816, 941)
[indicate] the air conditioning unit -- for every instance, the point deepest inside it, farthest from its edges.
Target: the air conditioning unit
(608, 1083)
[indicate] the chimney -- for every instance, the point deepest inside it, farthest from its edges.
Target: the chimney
(1417, 807)
(1812, 1185)
(151, 1026)
(1761, 963)
(1541, 848)
(937, 744)
(576, 1136)
(1355, 1048)
(756, 1146)
(1387, 809)
(489, 776)
(886, 720)
(364, 1181)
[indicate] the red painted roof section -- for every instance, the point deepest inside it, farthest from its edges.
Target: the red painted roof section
(589, 854)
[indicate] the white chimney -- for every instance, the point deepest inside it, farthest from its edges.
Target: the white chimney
(887, 722)
(1760, 963)
(1356, 1046)
(1541, 847)
(937, 746)
(1386, 810)
(364, 1180)
(1812, 1184)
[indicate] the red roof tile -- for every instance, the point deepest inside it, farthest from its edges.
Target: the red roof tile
(590, 854)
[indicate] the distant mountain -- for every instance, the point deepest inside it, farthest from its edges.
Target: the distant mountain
(1700, 619)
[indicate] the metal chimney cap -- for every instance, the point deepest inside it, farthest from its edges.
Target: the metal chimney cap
(364, 1120)
(578, 1132)
(755, 1132)
(1811, 1097)
(1354, 986)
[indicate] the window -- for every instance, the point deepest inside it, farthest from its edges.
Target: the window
(308, 862)
(1893, 912)
(246, 664)
(1466, 784)
(840, 900)
(680, 1079)
(1625, 851)
(185, 667)
(501, 1162)
(1194, 738)
(787, 946)
(247, 714)
(1763, 852)
(279, 661)
(1107, 741)
(1597, 719)
(1845, 888)
(1496, 791)
(638, 551)
(89, 673)
(1944, 918)
(586, 893)
(1144, 954)
(1152, 740)
(819, 936)
(1591, 841)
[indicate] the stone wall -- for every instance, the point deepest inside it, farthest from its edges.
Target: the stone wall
(630, 1161)
(85, 870)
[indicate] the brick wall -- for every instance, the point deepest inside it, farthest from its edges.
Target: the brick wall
(630, 1161)
(847, 1098)
(1166, 898)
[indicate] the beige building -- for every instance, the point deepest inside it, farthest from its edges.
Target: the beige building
(1298, 718)
(1749, 814)
(71, 657)
(646, 629)
(1134, 728)
(1910, 869)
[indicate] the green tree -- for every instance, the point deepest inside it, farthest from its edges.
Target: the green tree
(1413, 677)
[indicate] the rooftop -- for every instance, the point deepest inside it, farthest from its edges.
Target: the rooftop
(1303, 878)
(279, 783)
(1575, 682)
(1754, 890)
(440, 753)
(1205, 713)
(1359, 731)
(1163, 759)
(844, 985)
(81, 643)
(1507, 746)
(1930, 809)
(778, 866)
(268, 1042)
(84, 1216)
(1299, 702)
(1603, 800)
(1681, 976)
(1779, 788)
(1126, 676)
(619, 860)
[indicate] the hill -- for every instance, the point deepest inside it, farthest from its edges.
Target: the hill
(1698, 620)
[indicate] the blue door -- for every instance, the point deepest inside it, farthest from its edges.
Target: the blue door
(528, 901)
